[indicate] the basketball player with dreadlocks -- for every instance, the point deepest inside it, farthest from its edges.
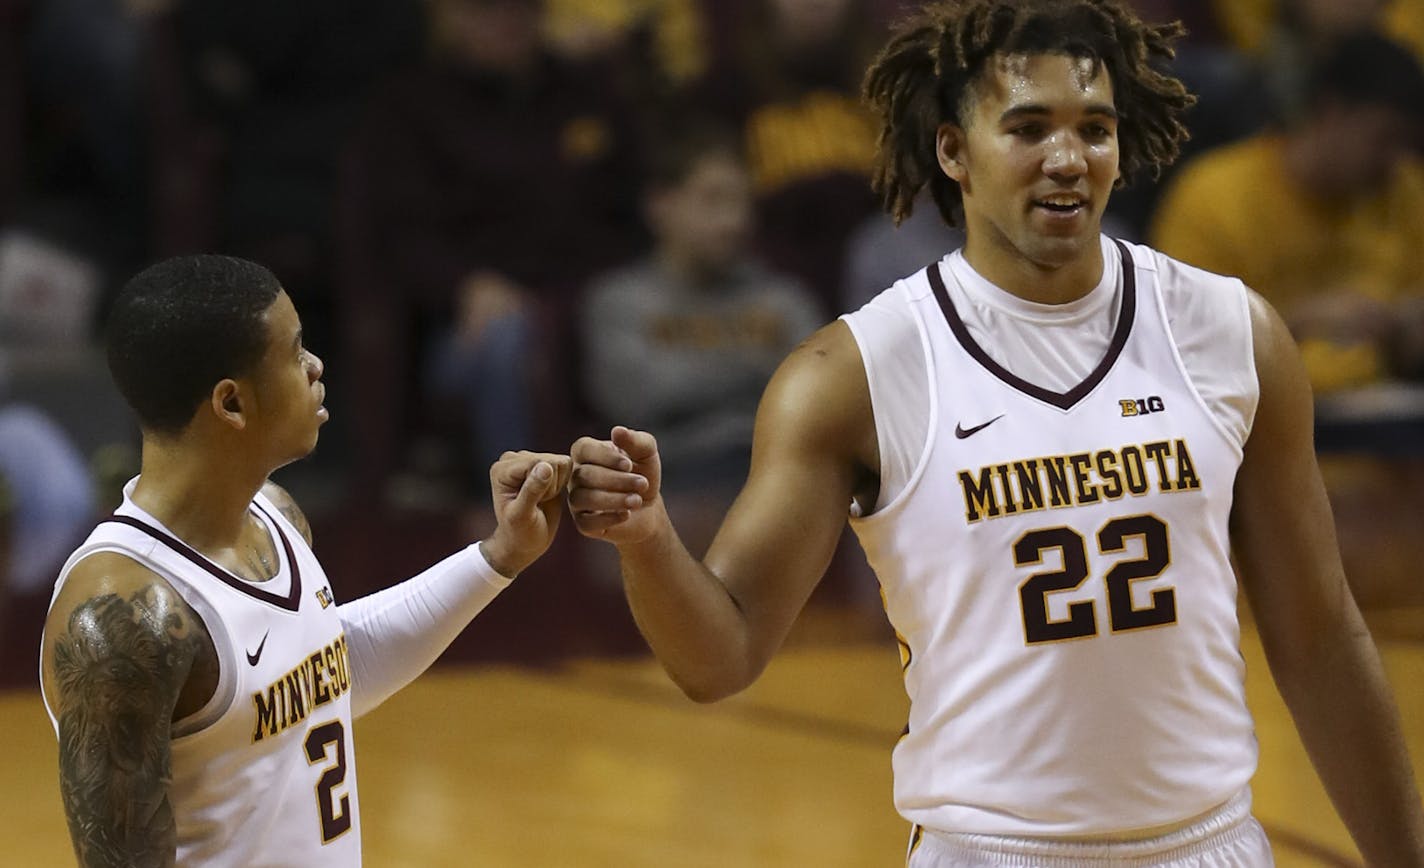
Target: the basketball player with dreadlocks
(1051, 443)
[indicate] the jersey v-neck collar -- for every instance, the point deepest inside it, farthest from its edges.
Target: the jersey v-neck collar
(287, 558)
(1062, 400)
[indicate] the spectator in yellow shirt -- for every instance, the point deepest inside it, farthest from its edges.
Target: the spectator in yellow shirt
(1323, 215)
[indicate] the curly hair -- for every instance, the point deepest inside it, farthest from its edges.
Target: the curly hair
(924, 77)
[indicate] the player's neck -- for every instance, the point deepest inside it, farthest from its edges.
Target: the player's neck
(1041, 282)
(202, 496)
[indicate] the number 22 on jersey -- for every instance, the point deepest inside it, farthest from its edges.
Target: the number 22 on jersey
(1082, 621)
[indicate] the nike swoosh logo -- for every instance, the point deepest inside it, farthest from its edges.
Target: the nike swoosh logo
(961, 432)
(254, 656)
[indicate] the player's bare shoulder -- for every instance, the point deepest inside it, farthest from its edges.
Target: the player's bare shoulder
(824, 369)
(1279, 368)
(830, 345)
(820, 396)
(116, 626)
(287, 505)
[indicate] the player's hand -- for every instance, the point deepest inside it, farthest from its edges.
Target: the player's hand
(526, 488)
(613, 492)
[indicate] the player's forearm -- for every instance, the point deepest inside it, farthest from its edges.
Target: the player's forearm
(1348, 721)
(688, 617)
(115, 795)
(113, 779)
(395, 634)
(103, 839)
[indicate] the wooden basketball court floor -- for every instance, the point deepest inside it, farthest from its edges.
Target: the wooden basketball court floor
(600, 763)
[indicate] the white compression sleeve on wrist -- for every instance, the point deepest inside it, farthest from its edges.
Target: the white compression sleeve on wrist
(395, 634)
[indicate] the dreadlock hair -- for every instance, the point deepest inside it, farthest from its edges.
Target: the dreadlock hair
(925, 74)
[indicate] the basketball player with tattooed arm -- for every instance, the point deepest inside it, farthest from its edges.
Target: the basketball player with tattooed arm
(1049, 444)
(199, 675)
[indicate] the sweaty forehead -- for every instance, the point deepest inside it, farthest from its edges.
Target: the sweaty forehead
(1081, 70)
(1011, 79)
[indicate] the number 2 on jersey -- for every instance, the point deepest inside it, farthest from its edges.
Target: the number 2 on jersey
(1082, 619)
(335, 818)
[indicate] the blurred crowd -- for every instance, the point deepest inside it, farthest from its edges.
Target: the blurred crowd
(509, 222)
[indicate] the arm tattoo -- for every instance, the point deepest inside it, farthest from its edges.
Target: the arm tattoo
(119, 667)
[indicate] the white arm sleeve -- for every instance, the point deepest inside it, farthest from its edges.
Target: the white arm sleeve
(395, 634)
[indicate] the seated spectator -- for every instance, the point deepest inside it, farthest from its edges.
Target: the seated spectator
(682, 341)
(1324, 216)
(494, 180)
(1231, 104)
(1301, 37)
(51, 499)
(48, 506)
(790, 79)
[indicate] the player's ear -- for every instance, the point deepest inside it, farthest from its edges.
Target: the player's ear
(229, 403)
(950, 152)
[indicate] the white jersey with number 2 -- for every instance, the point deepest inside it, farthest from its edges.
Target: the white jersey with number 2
(265, 774)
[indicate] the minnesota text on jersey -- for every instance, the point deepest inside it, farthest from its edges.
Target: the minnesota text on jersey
(1059, 481)
(321, 677)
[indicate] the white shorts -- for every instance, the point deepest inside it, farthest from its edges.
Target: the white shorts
(1228, 837)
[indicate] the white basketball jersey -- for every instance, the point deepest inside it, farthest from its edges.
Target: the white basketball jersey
(1056, 567)
(265, 774)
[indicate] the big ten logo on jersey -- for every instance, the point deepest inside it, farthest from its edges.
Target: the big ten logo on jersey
(324, 597)
(1141, 406)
